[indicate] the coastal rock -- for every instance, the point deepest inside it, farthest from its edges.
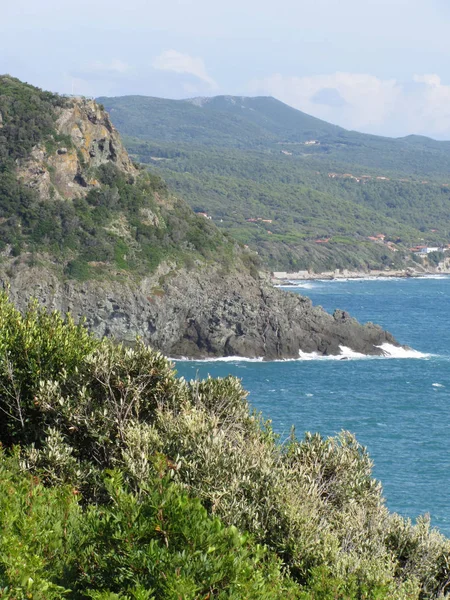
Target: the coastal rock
(200, 314)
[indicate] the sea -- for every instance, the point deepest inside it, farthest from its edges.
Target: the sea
(397, 406)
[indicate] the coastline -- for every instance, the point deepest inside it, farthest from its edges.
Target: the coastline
(280, 277)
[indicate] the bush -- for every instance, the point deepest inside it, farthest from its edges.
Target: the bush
(34, 348)
(78, 406)
(77, 269)
(160, 545)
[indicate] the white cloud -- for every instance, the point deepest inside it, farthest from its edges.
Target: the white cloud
(174, 61)
(97, 77)
(366, 102)
(429, 79)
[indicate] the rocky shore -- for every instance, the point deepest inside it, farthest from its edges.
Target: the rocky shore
(200, 314)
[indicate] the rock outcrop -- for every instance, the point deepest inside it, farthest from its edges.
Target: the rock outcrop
(66, 173)
(201, 314)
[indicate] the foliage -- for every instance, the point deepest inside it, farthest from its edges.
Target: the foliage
(128, 224)
(224, 156)
(88, 406)
(27, 118)
(160, 545)
(33, 348)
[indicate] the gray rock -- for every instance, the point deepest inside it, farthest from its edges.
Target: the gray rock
(201, 314)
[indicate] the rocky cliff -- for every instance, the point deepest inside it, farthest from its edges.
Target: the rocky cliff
(201, 314)
(85, 231)
(86, 139)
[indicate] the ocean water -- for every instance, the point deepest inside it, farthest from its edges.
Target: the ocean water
(398, 407)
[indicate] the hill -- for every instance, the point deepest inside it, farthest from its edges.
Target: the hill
(265, 123)
(84, 230)
(224, 121)
(249, 160)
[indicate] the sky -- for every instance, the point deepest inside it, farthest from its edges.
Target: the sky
(377, 66)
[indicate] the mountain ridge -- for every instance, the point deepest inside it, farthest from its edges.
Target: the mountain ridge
(240, 101)
(274, 163)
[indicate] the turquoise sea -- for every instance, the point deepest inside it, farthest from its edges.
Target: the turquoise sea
(398, 407)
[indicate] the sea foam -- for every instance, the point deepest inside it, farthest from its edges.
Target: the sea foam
(389, 351)
(257, 359)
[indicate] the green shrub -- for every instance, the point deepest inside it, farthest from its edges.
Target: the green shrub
(36, 347)
(159, 545)
(78, 406)
(77, 269)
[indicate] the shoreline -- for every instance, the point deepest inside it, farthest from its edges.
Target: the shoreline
(280, 277)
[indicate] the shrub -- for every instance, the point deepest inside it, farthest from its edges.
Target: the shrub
(79, 406)
(160, 545)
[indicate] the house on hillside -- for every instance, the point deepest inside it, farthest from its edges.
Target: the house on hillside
(423, 250)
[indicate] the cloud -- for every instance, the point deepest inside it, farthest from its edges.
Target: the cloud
(365, 102)
(96, 74)
(176, 62)
(430, 79)
(329, 97)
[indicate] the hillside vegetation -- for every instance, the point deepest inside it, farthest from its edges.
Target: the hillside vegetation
(121, 481)
(253, 158)
(117, 221)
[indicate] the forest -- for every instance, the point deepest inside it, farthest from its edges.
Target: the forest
(254, 158)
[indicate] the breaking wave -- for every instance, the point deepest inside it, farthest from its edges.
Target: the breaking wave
(389, 351)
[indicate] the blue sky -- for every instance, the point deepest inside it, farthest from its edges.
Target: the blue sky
(377, 66)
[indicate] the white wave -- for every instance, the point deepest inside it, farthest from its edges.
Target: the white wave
(364, 279)
(220, 359)
(308, 355)
(391, 351)
(435, 276)
(346, 354)
(349, 353)
(308, 285)
(437, 385)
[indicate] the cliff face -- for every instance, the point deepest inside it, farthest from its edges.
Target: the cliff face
(100, 239)
(86, 140)
(202, 314)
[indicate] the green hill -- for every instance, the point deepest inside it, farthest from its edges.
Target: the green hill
(265, 123)
(244, 159)
(69, 190)
(222, 121)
